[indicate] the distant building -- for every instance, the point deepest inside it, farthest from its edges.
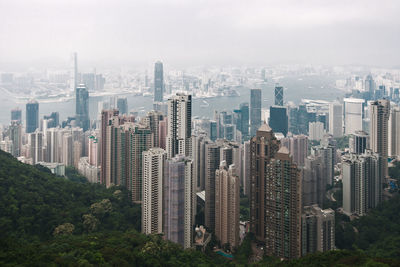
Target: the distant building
(32, 116)
(158, 81)
(179, 125)
(16, 115)
(255, 110)
(122, 105)
(394, 132)
(316, 130)
(353, 115)
(278, 119)
(336, 119)
(358, 142)
(362, 182)
(318, 229)
(55, 167)
(82, 107)
(278, 95)
(152, 121)
(15, 135)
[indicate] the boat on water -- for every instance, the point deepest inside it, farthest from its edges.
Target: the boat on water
(205, 104)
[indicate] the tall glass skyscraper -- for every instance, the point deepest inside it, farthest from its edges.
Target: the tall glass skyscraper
(255, 110)
(82, 107)
(32, 116)
(278, 95)
(158, 82)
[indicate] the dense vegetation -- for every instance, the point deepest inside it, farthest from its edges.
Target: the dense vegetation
(47, 220)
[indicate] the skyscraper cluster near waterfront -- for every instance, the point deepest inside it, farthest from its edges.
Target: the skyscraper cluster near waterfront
(188, 171)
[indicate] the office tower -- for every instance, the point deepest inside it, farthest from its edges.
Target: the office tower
(282, 207)
(394, 132)
(255, 110)
(212, 130)
(318, 229)
(152, 208)
(227, 204)
(278, 119)
(244, 119)
(212, 161)
(362, 182)
(278, 95)
(246, 168)
(313, 181)
(353, 115)
(122, 105)
(89, 81)
(380, 111)
(158, 82)
(32, 116)
(53, 120)
(179, 201)
(179, 125)
(335, 119)
(263, 76)
(303, 119)
(135, 139)
(75, 78)
(15, 135)
(358, 142)
(316, 130)
(152, 120)
(370, 86)
(16, 115)
(263, 147)
(109, 123)
(328, 155)
(35, 142)
(82, 107)
(293, 119)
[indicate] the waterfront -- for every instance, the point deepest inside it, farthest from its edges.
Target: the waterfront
(296, 88)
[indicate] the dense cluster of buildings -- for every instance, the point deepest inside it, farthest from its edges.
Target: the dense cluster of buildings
(166, 157)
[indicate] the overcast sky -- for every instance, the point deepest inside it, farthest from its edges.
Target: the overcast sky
(201, 32)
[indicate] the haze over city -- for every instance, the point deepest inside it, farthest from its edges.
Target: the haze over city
(206, 32)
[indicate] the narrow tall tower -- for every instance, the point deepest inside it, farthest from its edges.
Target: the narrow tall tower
(82, 107)
(179, 125)
(255, 110)
(380, 111)
(32, 116)
(158, 82)
(278, 95)
(263, 147)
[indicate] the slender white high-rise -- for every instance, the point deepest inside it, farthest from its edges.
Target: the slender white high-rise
(394, 131)
(153, 167)
(179, 125)
(336, 119)
(353, 115)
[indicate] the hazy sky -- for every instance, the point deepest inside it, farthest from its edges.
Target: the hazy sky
(201, 32)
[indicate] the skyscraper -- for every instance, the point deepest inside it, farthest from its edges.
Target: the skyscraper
(122, 105)
(32, 116)
(278, 119)
(36, 146)
(314, 181)
(255, 110)
(353, 115)
(15, 134)
(158, 82)
(370, 86)
(394, 132)
(335, 119)
(362, 182)
(358, 142)
(53, 120)
(380, 111)
(179, 125)
(108, 121)
(282, 207)
(16, 115)
(179, 200)
(318, 229)
(278, 95)
(212, 161)
(82, 107)
(227, 205)
(298, 147)
(152, 209)
(263, 147)
(152, 120)
(244, 111)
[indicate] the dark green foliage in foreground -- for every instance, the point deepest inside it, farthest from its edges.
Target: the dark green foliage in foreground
(33, 203)
(72, 174)
(51, 221)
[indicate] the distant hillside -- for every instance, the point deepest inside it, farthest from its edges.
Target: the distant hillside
(51, 221)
